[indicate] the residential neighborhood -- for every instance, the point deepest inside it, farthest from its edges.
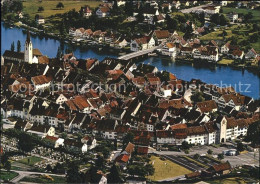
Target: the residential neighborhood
(101, 103)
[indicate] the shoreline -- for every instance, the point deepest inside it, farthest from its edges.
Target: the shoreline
(121, 51)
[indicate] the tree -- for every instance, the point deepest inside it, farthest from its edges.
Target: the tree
(115, 5)
(64, 135)
(63, 31)
(185, 145)
(7, 166)
(129, 8)
(209, 151)
(129, 137)
(25, 142)
(140, 17)
(60, 5)
(196, 156)
(224, 33)
(12, 47)
(100, 161)
(248, 16)
(40, 9)
(253, 133)
(240, 146)
(114, 175)
(73, 175)
(58, 56)
(220, 156)
(197, 97)
(18, 46)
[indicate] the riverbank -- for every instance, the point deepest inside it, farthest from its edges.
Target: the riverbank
(68, 40)
(185, 71)
(253, 69)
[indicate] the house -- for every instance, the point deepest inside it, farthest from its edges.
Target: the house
(235, 101)
(208, 53)
(87, 12)
(42, 130)
(237, 54)
(87, 33)
(211, 9)
(220, 169)
(233, 17)
(75, 146)
(167, 6)
(55, 142)
(22, 125)
(142, 43)
(176, 4)
(169, 49)
(41, 82)
(197, 135)
(161, 36)
(207, 106)
(90, 141)
(40, 20)
(251, 54)
(103, 12)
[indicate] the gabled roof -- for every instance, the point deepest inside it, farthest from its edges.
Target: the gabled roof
(207, 106)
(162, 34)
(41, 79)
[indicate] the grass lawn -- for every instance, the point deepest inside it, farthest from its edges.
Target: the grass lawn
(256, 14)
(5, 175)
(32, 161)
(168, 170)
(31, 6)
(226, 61)
(235, 180)
(44, 179)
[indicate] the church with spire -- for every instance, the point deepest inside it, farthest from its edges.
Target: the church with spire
(30, 55)
(28, 49)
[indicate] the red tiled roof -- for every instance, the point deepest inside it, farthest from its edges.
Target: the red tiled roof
(41, 79)
(207, 106)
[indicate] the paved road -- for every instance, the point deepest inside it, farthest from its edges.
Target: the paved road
(172, 179)
(181, 162)
(250, 158)
(189, 10)
(22, 174)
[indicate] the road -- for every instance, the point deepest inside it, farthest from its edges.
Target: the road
(249, 158)
(189, 10)
(23, 174)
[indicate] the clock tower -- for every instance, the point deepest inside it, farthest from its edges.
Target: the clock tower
(28, 49)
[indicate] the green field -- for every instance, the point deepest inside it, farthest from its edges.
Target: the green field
(5, 175)
(256, 14)
(168, 170)
(33, 160)
(43, 179)
(31, 6)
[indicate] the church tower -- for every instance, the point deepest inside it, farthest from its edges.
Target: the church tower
(28, 49)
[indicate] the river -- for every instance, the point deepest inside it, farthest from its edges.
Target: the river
(246, 83)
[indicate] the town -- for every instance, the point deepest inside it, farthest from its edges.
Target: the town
(83, 120)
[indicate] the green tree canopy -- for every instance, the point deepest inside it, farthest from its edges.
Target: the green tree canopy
(60, 5)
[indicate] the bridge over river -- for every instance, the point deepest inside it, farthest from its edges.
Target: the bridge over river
(138, 53)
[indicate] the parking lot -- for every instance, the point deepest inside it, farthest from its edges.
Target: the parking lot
(192, 164)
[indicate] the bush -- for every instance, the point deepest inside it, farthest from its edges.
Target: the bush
(186, 151)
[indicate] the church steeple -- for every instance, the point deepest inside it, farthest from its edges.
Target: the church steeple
(28, 38)
(28, 49)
